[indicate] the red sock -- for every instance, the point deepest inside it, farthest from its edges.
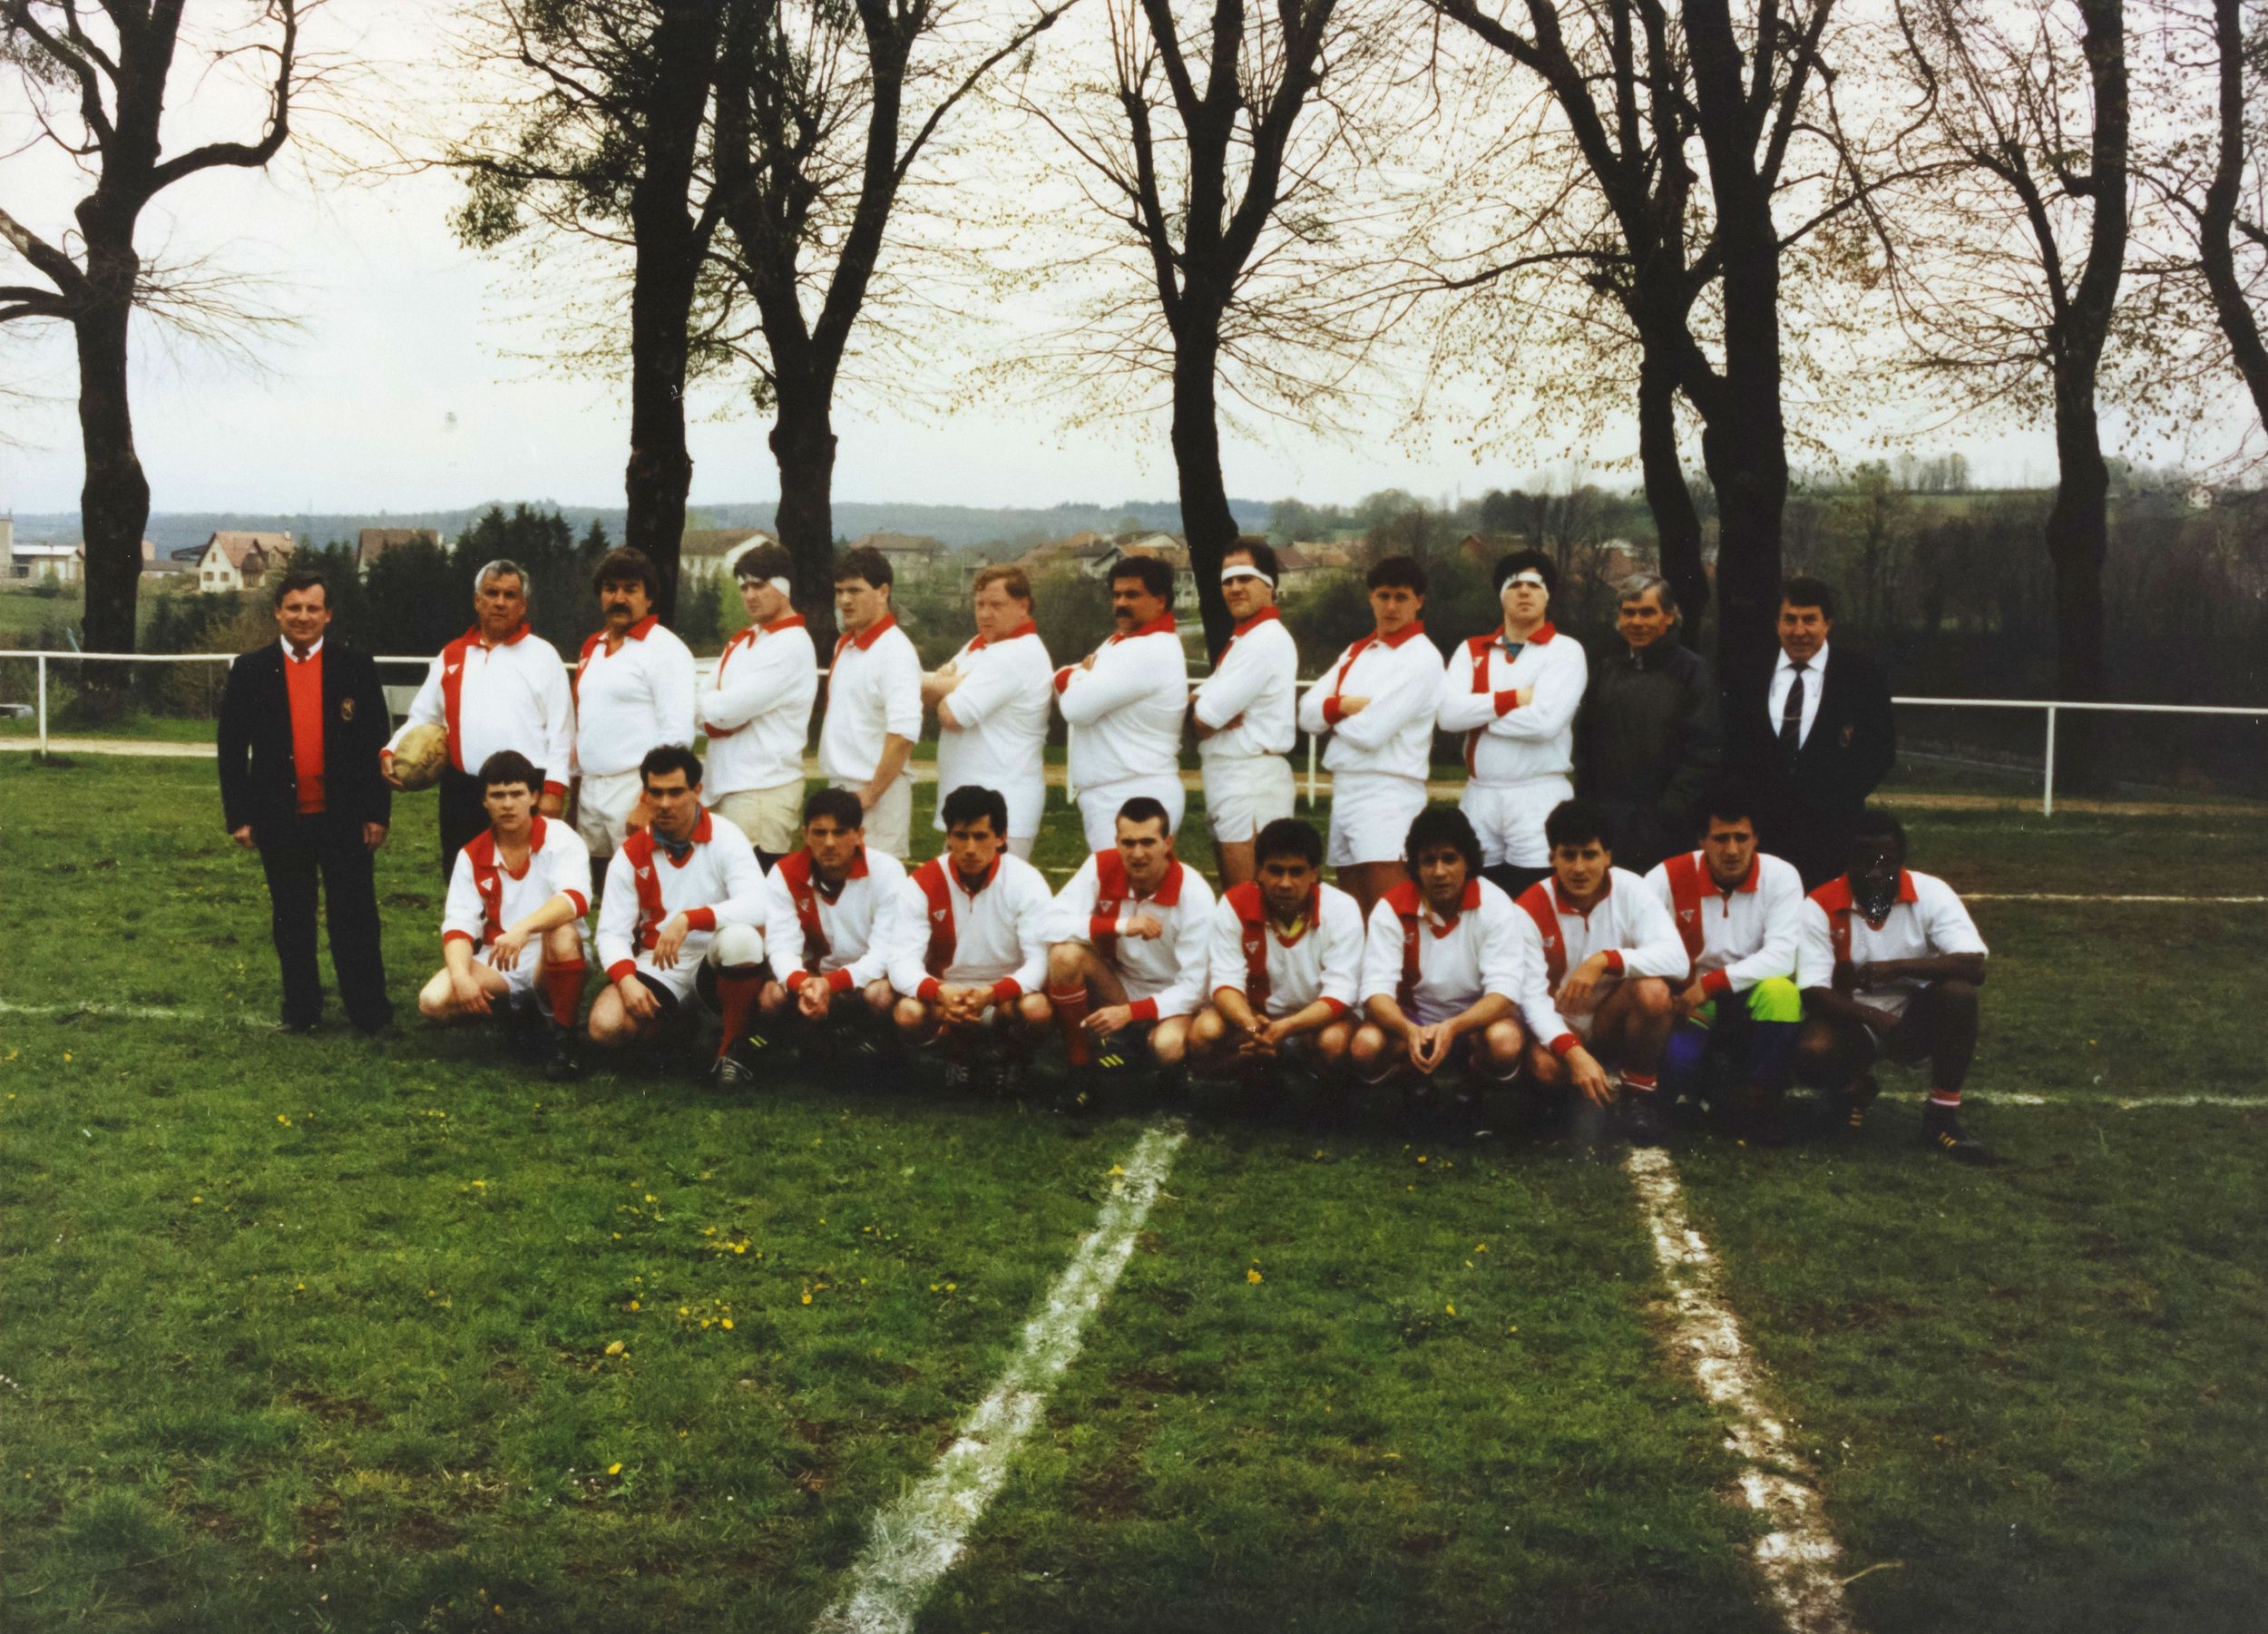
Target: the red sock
(1643, 1082)
(1945, 1098)
(736, 995)
(564, 983)
(1070, 1015)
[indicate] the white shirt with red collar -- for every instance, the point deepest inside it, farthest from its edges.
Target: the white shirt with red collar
(1393, 732)
(1506, 741)
(513, 695)
(995, 936)
(874, 690)
(1279, 977)
(1629, 923)
(756, 708)
(1000, 736)
(632, 700)
(1257, 677)
(1738, 938)
(1164, 976)
(486, 898)
(719, 882)
(841, 938)
(1927, 920)
(1128, 708)
(1436, 968)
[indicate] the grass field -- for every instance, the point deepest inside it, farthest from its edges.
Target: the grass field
(318, 1335)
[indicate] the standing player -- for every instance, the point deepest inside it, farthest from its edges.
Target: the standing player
(756, 708)
(1244, 714)
(1601, 949)
(1125, 700)
(497, 686)
(684, 890)
(826, 918)
(873, 703)
(1133, 928)
(1739, 913)
(1442, 968)
(1513, 693)
(969, 944)
(991, 704)
(1890, 964)
(1285, 962)
(524, 879)
(634, 691)
(1378, 705)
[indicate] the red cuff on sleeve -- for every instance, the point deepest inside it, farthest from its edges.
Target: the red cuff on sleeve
(582, 903)
(1331, 710)
(1508, 700)
(838, 981)
(1098, 926)
(929, 989)
(620, 968)
(1337, 1008)
(796, 979)
(449, 936)
(1716, 982)
(1614, 961)
(1007, 990)
(701, 919)
(552, 787)
(1064, 678)
(1562, 1044)
(1143, 1009)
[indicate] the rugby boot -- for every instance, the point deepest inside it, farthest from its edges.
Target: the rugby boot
(565, 1064)
(1857, 1097)
(1941, 1131)
(1643, 1123)
(730, 1073)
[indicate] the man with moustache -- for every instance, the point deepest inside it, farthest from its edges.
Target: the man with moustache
(1124, 702)
(634, 691)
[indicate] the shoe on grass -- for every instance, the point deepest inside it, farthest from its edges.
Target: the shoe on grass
(1642, 1121)
(566, 1064)
(1858, 1096)
(1942, 1132)
(730, 1072)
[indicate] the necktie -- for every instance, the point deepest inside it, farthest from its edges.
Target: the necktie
(1791, 716)
(299, 654)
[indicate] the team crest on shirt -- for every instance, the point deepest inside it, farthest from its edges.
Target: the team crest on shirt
(645, 873)
(1686, 913)
(937, 912)
(453, 668)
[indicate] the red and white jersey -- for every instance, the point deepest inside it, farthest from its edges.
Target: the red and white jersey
(1437, 968)
(1504, 740)
(756, 708)
(1164, 975)
(1733, 938)
(513, 695)
(1928, 919)
(486, 898)
(1393, 732)
(1629, 924)
(873, 690)
(1128, 709)
(1277, 976)
(632, 700)
(719, 882)
(995, 936)
(1257, 677)
(842, 936)
(1000, 711)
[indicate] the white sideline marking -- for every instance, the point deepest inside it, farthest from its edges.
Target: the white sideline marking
(133, 1013)
(1798, 1556)
(917, 1539)
(2075, 896)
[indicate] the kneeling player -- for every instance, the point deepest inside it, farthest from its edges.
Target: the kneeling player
(968, 946)
(524, 880)
(1601, 948)
(824, 908)
(1890, 963)
(1739, 912)
(684, 891)
(1442, 969)
(1286, 959)
(1134, 927)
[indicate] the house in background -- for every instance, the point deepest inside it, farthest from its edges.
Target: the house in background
(709, 554)
(37, 560)
(913, 558)
(238, 560)
(370, 544)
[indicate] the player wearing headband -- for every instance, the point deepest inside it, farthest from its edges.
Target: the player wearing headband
(1243, 714)
(756, 708)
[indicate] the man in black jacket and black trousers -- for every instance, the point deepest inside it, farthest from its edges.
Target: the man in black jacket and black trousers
(1646, 741)
(1814, 734)
(301, 724)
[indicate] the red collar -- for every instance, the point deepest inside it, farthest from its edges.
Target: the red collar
(1162, 624)
(1409, 901)
(1254, 622)
(1560, 904)
(857, 870)
(474, 638)
(793, 621)
(954, 873)
(1024, 629)
(701, 831)
(1408, 632)
(1536, 637)
(1169, 892)
(1749, 881)
(1836, 895)
(642, 629)
(874, 633)
(1251, 906)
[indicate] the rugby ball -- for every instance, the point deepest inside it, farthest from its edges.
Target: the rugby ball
(420, 755)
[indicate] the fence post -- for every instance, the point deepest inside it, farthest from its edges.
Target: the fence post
(43, 705)
(2047, 790)
(1311, 771)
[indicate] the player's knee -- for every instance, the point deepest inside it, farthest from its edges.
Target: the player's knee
(1651, 996)
(1066, 964)
(1505, 1044)
(909, 1014)
(1331, 1043)
(1547, 1066)
(1956, 994)
(737, 945)
(1168, 1045)
(1775, 999)
(881, 997)
(1368, 1044)
(563, 944)
(435, 1001)
(773, 999)
(1033, 1010)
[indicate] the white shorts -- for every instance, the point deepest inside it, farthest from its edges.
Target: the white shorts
(1027, 800)
(730, 945)
(1099, 806)
(520, 977)
(1244, 794)
(771, 818)
(1371, 814)
(602, 806)
(1509, 818)
(890, 819)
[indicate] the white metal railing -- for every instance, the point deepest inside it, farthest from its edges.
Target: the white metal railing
(2050, 707)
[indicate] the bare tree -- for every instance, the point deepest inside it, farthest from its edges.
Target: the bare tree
(99, 85)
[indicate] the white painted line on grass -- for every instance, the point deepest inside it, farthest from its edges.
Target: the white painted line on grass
(917, 1539)
(2092, 898)
(1797, 1557)
(133, 1013)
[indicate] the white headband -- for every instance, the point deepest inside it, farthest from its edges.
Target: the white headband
(781, 585)
(1244, 570)
(1525, 575)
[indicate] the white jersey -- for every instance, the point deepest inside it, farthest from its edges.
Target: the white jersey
(1504, 740)
(719, 882)
(1393, 733)
(486, 898)
(842, 937)
(1435, 968)
(637, 698)
(1165, 975)
(1257, 677)
(999, 739)
(513, 695)
(1126, 710)
(1734, 938)
(1927, 920)
(1277, 977)
(757, 709)
(1629, 924)
(995, 936)
(873, 690)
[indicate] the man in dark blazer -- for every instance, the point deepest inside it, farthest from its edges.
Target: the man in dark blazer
(301, 723)
(1814, 731)
(1646, 739)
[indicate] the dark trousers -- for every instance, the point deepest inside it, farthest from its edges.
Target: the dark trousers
(293, 855)
(462, 816)
(1511, 879)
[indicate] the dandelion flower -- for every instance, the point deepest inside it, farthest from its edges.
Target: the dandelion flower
(613, 1469)
(614, 1348)
(726, 1325)
(1252, 1275)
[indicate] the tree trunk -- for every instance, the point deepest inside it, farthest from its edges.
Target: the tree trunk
(114, 503)
(1677, 524)
(1207, 522)
(803, 446)
(2078, 540)
(2219, 215)
(660, 470)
